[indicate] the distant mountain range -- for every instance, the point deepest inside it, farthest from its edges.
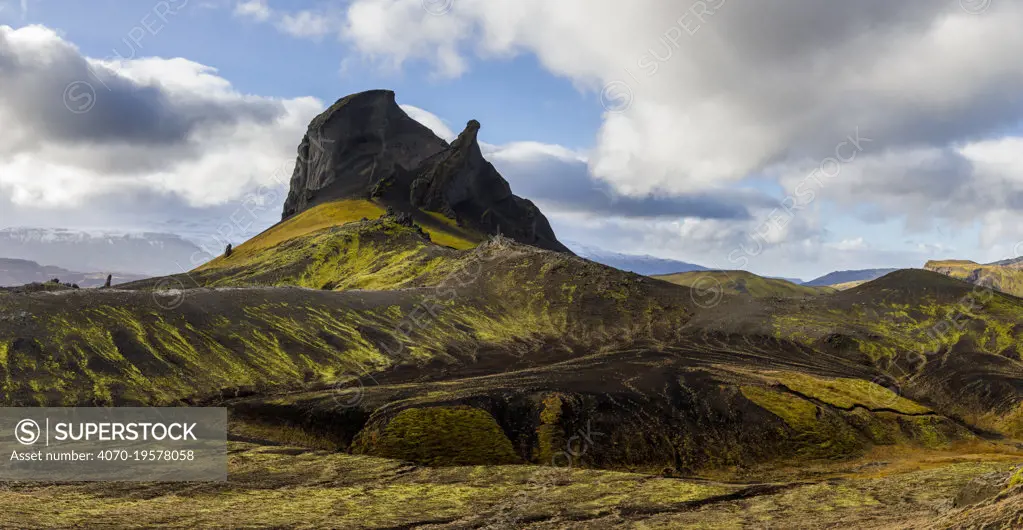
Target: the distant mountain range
(145, 254)
(653, 266)
(839, 277)
(640, 264)
(645, 264)
(16, 272)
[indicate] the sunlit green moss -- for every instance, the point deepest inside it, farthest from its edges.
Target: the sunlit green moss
(1017, 478)
(443, 436)
(818, 433)
(550, 434)
(847, 393)
(929, 431)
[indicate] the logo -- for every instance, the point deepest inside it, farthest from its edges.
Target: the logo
(707, 292)
(169, 293)
(616, 97)
(79, 97)
(349, 390)
(27, 432)
(438, 7)
(975, 7)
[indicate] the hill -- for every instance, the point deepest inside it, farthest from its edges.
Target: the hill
(845, 277)
(1005, 278)
(332, 246)
(919, 328)
(741, 283)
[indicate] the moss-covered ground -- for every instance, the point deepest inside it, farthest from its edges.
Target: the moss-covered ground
(942, 342)
(273, 486)
(442, 230)
(441, 436)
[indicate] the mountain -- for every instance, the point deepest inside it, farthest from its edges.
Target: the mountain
(139, 254)
(841, 277)
(366, 147)
(439, 371)
(15, 272)
(712, 284)
(640, 264)
(1005, 278)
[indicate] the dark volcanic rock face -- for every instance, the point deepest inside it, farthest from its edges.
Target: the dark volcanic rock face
(365, 146)
(461, 184)
(456, 175)
(352, 146)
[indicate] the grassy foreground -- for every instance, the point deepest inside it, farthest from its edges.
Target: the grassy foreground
(290, 487)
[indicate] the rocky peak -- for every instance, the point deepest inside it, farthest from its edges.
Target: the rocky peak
(351, 147)
(468, 136)
(364, 146)
(458, 175)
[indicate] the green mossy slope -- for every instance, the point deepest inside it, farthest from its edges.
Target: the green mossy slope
(742, 283)
(440, 436)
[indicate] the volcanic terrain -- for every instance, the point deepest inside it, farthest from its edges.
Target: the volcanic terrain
(412, 346)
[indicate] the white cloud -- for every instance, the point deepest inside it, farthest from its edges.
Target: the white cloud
(720, 90)
(850, 244)
(305, 24)
(527, 151)
(257, 10)
(935, 249)
(976, 182)
(300, 24)
(396, 31)
(431, 121)
(146, 126)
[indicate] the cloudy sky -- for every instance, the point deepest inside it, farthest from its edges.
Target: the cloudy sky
(788, 138)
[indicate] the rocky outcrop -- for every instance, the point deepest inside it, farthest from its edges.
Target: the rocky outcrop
(364, 146)
(461, 184)
(456, 175)
(359, 141)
